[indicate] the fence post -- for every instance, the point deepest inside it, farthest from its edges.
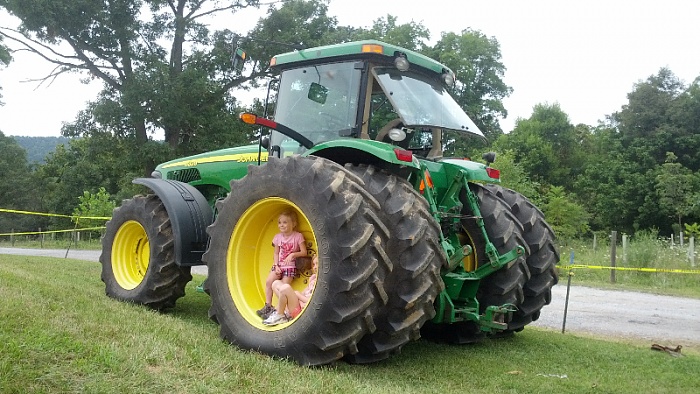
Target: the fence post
(41, 240)
(613, 251)
(12, 237)
(691, 251)
(568, 290)
(595, 242)
(681, 238)
(672, 244)
(625, 244)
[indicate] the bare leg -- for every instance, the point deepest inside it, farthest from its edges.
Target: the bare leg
(287, 297)
(271, 277)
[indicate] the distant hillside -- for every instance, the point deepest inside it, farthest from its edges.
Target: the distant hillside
(39, 147)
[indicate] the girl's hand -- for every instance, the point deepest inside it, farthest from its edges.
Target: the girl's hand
(278, 270)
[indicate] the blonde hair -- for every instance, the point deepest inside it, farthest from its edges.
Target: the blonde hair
(292, 215)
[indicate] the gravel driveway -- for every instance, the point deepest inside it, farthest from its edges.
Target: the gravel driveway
(659, 319)
(665, 320)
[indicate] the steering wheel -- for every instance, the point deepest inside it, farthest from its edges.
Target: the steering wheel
(384, 131)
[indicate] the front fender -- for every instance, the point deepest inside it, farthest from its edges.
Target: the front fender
(189, 214)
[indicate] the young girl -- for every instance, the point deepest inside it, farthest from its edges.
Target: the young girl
(289, 245)
(291, 300)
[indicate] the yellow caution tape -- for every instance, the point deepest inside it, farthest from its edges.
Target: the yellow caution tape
(600, 267)
(54, 214)
(53, 231)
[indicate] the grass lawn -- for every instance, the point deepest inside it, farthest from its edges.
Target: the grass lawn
(60, 333)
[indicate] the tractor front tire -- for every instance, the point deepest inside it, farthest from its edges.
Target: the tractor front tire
(138, 259)
(338, 219)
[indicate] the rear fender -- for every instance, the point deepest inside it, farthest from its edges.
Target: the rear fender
(380, 154)
(189, 214)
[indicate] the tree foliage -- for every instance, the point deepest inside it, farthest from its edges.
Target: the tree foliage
(662, 116)
(16, 189)
(5, 59)
(567, 218)
(161, 67)
(91, 206)
(677, 189)
(165, 72)
(480, 89)
(559, 145)
(39, 147)
(5, 56)
(515, 177)
(411, 35)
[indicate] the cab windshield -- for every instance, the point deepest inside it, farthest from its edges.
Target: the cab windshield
(423, 102)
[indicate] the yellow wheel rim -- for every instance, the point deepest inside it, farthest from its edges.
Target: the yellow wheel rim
(130, 254)
(471, 261)
(250, 253)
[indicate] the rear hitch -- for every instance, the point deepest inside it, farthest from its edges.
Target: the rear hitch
(493, 319)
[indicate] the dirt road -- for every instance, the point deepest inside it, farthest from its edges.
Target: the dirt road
(665, 320)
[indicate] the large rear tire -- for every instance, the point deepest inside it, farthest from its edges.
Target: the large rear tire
(541, 260)
(504, 286)
(138, 258)
(338, 219)
(414, 282)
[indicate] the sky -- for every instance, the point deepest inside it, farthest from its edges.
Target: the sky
(584, 55)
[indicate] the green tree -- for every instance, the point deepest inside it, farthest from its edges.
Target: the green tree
(93, 205)
(548, 146)
(620, 182)
(86, 164)
(608, 185)
(685, 116)
(5, 56)
(16, 192)
(5, 59)
(677, 188)
(480, 89)
(161, 67)
(514, 176)
(567, 218)
(412, 35)
(662, 115)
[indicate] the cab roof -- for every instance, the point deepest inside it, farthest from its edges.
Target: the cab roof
(355, 50)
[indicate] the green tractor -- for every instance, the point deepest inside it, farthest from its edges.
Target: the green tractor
(409, 243)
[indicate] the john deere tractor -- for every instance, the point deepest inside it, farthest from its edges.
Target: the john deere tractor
(409, 242)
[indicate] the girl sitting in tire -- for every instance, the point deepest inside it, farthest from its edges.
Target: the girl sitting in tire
(289, 245)
(291, 302)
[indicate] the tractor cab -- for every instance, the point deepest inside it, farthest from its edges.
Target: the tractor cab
(366, 90)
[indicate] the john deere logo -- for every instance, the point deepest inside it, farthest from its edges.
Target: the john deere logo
(238, 157)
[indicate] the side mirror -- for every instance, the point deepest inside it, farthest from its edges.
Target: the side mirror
(265, 142)
(238, 58)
